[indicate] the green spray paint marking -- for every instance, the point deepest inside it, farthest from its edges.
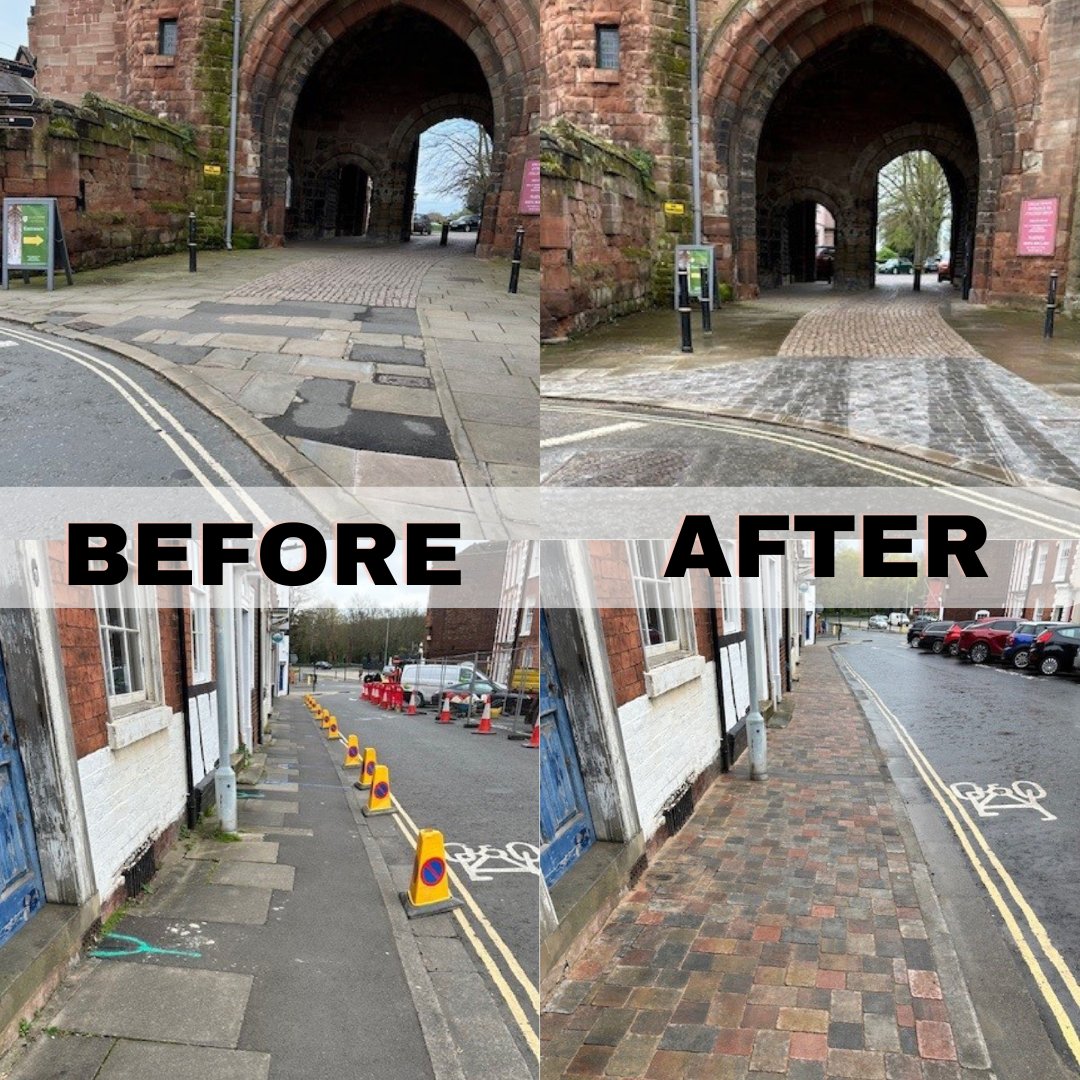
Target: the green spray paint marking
(140, 946)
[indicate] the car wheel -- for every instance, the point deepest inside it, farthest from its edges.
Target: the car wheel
(954, 649)
(1048, 665)
(979, 652)
(937, 648)
(1020, 660)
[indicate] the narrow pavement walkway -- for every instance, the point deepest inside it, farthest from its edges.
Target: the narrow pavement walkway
(882, 367)
(368, 367)
(789, 928)
(281, 955)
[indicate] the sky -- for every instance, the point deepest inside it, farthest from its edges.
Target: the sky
(13, 16)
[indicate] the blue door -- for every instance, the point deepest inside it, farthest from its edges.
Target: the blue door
(21, 890)
(566, 828)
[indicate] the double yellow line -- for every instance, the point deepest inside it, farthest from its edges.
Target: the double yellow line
(972, 838)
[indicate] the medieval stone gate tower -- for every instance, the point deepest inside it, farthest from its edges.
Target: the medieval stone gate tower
(333, 96)
(802, 102)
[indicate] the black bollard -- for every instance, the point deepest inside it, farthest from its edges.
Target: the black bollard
(1051, 305)
(684, 309)
(515, 262)
(445, 234)
(191, 245)
(706, 301)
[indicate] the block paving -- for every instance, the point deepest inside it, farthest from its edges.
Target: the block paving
(778, 933)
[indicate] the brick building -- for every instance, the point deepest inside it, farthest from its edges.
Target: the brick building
(109, 713)
(801, 103)
(644, 695)
(1044, 583)
(333, 98)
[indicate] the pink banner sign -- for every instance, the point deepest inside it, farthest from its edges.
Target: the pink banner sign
(529, 203)
(1038, 226)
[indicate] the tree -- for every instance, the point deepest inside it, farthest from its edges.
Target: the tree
(913, 199)
(457, 162)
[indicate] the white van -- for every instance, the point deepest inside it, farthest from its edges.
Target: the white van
(898, 618)
(429, 680)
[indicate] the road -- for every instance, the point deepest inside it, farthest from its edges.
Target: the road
(956, 729)
(477, 791)
(75, 415)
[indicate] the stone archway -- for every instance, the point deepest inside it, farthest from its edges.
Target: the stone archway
(492, 45)
(775, 227)
(755, 56)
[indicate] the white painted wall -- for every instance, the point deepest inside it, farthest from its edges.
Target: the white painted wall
(130, 796)
(670, 738)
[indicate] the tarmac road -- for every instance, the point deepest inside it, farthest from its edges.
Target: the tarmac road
(973, 726)
(70, 416)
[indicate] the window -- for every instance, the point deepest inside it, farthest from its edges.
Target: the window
(200, 634)
(121, 643)
(1040, 564)
(527, 619)
(663, 603)
(1061, 566)
(607, 47)
(166, 36)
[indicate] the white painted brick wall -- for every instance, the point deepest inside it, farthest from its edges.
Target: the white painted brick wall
(669, 739)
(130, 796)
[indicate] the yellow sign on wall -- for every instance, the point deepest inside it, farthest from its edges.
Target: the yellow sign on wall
(674, 208)
(211, 170)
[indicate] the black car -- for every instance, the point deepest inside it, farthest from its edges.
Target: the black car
(465, 223)
(932, 636)
(421, 224)
(916, 627)
(1055, 650)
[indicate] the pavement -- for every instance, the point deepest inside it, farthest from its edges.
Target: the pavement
(917, 373)
(287, 953)
(340, 363)
(790, 928)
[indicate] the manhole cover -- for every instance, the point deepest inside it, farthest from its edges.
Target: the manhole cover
(416, 382)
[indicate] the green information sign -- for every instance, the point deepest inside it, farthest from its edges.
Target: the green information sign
(697, 257)
(33, 239)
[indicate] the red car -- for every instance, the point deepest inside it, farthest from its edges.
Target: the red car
(952, 637)
(985, 640)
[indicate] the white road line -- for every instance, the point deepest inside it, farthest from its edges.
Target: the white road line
(114, 376)
(595, 433)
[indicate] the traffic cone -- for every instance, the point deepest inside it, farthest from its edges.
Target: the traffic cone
(485, 727)
(352, 753)
(444, 713)
(332, 731)
(534, 741)
(429, 887)
(411, 710)
(367, 771)
(379, 801)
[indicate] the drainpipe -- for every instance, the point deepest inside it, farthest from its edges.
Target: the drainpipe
(695, 123)
(225, 659)
(233, 111)
(725, 754)
(755, 722)
(185, 684)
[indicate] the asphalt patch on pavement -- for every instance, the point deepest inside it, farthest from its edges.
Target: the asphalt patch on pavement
(393, 320)
(385, 354)
(365, 429)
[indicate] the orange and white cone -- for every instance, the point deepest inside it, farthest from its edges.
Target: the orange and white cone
(411, 710)
(444, 713)
(485, 727)
(534, 741)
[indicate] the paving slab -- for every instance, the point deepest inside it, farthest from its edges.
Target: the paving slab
(140, 1060)
(263, 851)
(241, 904)
(402, 400)
(65, 1057)
(256, 875)
(160, 1004)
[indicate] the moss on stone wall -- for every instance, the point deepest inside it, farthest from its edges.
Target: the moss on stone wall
(213, 82)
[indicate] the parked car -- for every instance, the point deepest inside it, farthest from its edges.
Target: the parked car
(944, 272)
(931, 264)
(1055, 650)
(1017, 649)
(421, 224)
(986, 640)
(916, 627)
(877, 622)
(465, 223)
(323, 665)
(898, 618)
(480, 688)
(895, 266)
(932, 636)
(952, 636)
(823, 263)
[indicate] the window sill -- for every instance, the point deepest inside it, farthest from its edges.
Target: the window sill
(671, 674)
(163, 61)
(606, 75)
(136, 725)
